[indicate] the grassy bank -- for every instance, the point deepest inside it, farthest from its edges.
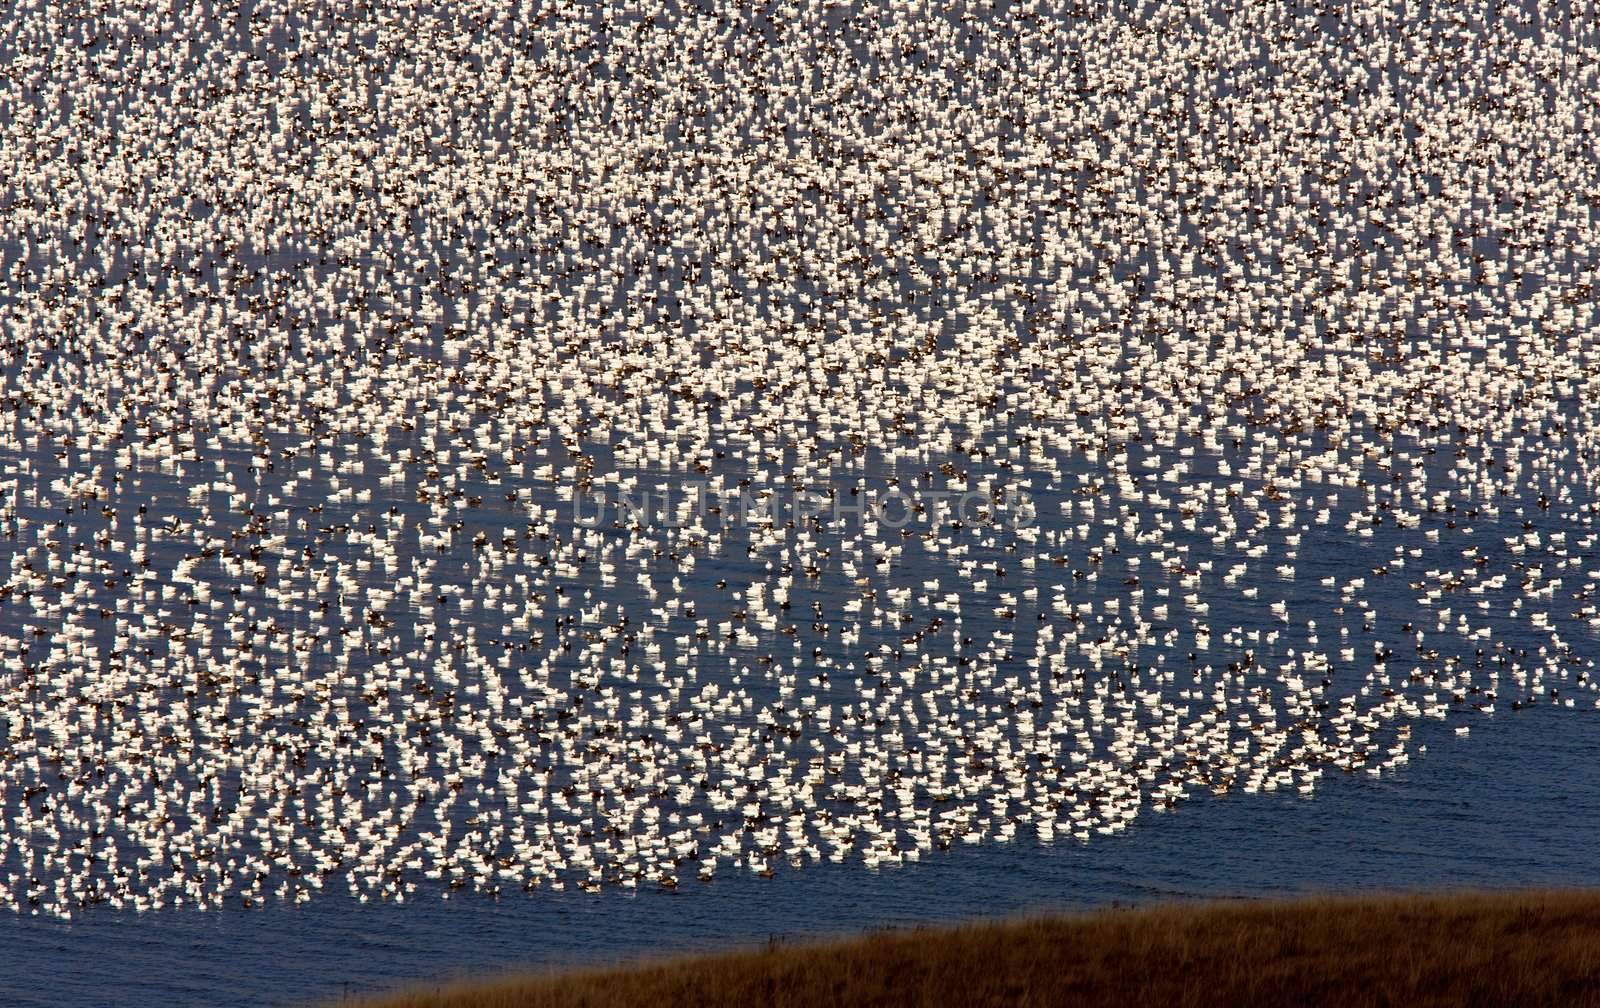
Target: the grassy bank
(1526, 948)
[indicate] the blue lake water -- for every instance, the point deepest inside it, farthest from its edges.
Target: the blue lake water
(1513, 805)
(495, 489)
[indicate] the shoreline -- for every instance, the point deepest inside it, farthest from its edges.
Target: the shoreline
(1484, 947)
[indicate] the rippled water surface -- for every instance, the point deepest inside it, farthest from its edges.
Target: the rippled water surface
(1514, 804)
(491, 485)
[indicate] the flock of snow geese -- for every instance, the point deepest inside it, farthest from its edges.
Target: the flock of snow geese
(1233, 373)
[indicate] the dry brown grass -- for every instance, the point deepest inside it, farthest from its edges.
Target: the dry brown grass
(1523, 948)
